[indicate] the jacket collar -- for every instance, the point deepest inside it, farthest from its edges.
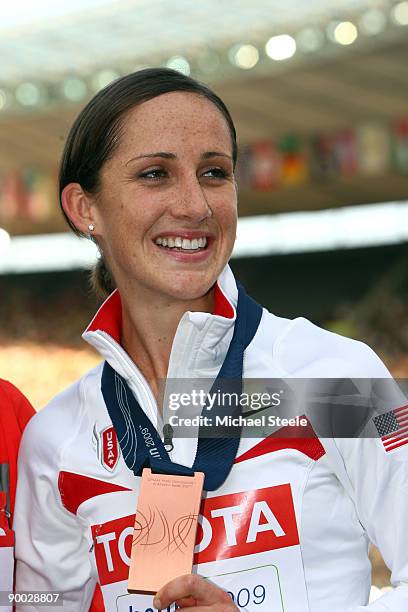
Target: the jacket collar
(202, 337)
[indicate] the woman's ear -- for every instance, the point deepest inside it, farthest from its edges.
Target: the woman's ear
(78, 207)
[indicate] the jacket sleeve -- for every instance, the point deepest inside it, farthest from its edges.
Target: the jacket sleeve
(18, 402)
(51, 552)
(16, 411)
(377, 481)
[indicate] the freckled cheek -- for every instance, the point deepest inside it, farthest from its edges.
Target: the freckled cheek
(226, 203)
(227, 215)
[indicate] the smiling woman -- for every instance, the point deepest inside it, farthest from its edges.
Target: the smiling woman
(178, 190)
(183, 179)
(148, 174)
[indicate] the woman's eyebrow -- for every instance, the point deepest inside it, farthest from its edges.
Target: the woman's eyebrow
(209, 154)
(165, 155)
(157, 154)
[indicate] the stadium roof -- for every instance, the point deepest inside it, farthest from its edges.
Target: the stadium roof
(53, 37)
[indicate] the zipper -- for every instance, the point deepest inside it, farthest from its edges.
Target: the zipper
(5, 488)
(5, 515)
(168, 437)
(167, 429)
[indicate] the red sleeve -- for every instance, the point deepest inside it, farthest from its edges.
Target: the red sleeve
(15, 412)
(23, 410)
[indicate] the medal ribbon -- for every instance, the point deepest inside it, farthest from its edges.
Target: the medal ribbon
(139, 440)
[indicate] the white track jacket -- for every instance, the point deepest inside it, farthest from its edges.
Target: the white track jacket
(289, 529)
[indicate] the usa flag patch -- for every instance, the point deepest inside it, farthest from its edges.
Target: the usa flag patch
(392, 428)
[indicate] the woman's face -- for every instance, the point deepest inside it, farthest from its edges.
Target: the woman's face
(166, 212)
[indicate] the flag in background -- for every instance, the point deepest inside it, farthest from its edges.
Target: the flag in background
(392, 428)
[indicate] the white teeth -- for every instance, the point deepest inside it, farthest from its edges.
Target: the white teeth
(182, 243)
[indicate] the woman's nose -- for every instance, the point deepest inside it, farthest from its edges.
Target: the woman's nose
(190, 201)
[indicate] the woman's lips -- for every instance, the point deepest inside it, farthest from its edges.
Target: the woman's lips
(184, 249)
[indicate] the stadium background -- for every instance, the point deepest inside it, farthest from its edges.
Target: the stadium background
(318, 91)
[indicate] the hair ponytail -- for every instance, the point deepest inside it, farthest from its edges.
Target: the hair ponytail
(101, 279)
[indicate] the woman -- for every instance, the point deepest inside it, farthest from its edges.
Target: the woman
(148, 174)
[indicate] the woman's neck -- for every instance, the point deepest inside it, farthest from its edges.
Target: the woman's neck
(149, 328)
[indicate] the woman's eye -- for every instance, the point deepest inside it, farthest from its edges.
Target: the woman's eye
(218, 173)
(153, 174)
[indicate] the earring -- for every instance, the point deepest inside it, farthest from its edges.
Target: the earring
(91, 227)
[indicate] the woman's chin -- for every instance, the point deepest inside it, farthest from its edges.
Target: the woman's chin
(189, 290)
